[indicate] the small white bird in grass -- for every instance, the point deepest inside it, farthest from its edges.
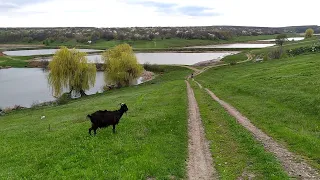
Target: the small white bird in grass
(42, 117)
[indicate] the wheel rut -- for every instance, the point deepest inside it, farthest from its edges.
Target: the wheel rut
(200, 163)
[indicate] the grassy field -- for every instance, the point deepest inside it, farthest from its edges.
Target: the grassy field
(14, 61)
(235, 151)
(281, 97)
(151, 140)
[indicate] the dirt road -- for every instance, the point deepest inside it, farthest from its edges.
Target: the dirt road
(294, 165)
(200, 164)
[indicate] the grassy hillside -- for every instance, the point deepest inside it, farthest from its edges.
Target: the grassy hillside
(151, 140)
(235, 151)
(281, 97)
(287, 46)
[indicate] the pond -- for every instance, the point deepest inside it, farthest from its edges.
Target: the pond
(289, 39)
(171, 58)
(236, 45)
(41, 52)
(25, 86)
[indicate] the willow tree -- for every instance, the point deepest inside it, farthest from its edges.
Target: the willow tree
(121, 65)
(309, 33)
(69, 70)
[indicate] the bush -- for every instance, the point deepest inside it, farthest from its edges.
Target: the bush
(275, 54)
(37, 104)
(233, 63)
(265, 57)
(14, 108)
(283, 55)
(152, 67)
(303, 50)
(64, 99)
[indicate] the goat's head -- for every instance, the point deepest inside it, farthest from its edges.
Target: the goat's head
(124, 107)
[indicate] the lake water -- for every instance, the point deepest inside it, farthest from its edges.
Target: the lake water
(41, 52)
(170, 58)
(289, 39)
(236, 45)
(25, 86)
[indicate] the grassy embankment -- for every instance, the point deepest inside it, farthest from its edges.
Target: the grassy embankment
(151, 140)
(281, 97)
(14, 61)
(288, 45)
(235, 151)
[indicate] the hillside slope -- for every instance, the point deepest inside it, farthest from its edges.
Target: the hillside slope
(281, 97)
(151, 139)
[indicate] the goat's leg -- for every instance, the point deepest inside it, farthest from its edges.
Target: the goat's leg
(114, 128)
(95, 131)
(90, 131)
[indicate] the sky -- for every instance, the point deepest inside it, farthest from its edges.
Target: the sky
(141, 13)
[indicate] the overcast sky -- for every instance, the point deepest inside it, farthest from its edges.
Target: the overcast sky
(130, 13)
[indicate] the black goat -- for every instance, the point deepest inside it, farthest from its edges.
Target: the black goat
(102, 119)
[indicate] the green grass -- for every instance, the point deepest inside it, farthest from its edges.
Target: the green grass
(287, 46)
(140, 44)
(14, 61)
(151, 140)
(235, 151)
(236, 57)
(281, 97)
(259, 37)
(158, 43)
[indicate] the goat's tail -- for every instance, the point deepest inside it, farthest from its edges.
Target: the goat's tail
(89, 116)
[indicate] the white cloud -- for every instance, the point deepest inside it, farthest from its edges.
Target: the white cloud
(122, 13)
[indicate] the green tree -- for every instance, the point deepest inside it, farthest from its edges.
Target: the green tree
(309, 33)
(121, 65)
(280, 39)
(69, 69)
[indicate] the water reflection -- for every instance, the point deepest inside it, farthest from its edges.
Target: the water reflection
(41, 52)
(25, 86)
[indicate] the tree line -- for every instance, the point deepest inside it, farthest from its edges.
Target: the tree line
(83, 34)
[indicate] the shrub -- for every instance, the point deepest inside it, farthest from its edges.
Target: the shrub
(265, 57)
(15, 107)
(275, 54)
(64, 99)
(233, 63)
(303, 50)
(37, 104)
(152, 67)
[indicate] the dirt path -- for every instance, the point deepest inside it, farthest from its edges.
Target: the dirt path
(295, 166)
(200, 164)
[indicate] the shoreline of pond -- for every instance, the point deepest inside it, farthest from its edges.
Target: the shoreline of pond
(31, 97)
